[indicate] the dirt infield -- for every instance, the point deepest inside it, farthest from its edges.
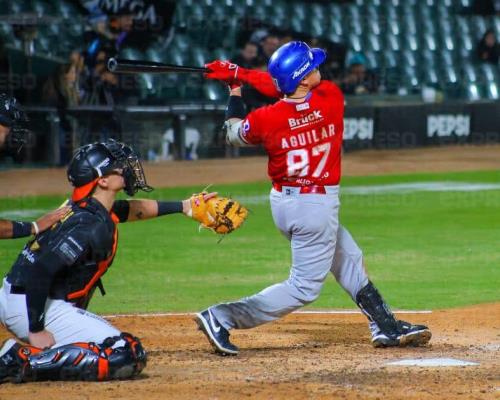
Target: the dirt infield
(30, 182)
(300, 357)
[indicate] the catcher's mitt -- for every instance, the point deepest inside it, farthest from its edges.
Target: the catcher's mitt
(220, 214)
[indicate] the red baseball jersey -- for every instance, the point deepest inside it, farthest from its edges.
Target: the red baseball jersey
(303, 140)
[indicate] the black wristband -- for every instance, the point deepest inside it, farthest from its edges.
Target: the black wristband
(169, 207)
(235, 108)
(21, 229)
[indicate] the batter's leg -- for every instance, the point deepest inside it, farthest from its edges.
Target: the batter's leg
(348, 269)
(311, 221)
(347, 266)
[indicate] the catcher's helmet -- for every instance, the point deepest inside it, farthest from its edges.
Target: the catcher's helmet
(92, 161)
(291, 63)
(13, 117)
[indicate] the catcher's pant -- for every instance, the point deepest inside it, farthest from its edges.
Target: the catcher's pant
(67, 323)
(319, 245)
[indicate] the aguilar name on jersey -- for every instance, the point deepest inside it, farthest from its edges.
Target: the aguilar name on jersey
(303, 140)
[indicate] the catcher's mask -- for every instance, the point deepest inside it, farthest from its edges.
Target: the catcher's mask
(93, 161)
(13, 117)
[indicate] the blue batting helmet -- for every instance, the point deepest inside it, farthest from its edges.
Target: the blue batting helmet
(291, 63)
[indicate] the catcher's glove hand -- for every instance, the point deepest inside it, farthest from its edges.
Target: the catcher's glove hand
(220, 214)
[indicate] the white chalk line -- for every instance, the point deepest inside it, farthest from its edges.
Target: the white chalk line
(325, 312)
(22, 214)
(361, 190)
(444, 186)
(396, 188)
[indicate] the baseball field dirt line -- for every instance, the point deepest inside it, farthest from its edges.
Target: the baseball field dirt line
(30, 182)
(300, 357)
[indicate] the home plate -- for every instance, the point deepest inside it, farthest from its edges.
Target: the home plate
(432, 362)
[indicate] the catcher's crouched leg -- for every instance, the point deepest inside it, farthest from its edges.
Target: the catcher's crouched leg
(118, 357)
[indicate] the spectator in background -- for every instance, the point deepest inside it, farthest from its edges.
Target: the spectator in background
(269, 44)
(121, 25)
(61, 91)
(111, 33)
(257, 35)
(100, 25)
(128, 32)
(97, 37)
(77, 60)
(333, 68)
(247, 56)
(106, 89)
(488, 49)
(358, 79)
(104, 83)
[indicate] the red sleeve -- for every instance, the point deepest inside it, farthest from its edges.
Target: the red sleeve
(260, 80)
(338, 102)
(251, 128)
(332, 89)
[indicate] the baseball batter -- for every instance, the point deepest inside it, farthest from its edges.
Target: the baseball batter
(302, 135)
(44, 296)
(12, 138)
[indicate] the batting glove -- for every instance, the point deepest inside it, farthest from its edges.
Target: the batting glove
(224, 71)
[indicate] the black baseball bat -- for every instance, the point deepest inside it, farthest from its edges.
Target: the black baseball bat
(119, 65)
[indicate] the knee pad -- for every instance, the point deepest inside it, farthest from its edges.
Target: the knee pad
(87, 361)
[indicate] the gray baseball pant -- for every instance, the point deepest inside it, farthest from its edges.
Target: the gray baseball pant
(319, 245)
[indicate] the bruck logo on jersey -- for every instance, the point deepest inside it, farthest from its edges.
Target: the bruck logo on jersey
(309, 119)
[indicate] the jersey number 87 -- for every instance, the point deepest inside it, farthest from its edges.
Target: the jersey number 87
(298, 161)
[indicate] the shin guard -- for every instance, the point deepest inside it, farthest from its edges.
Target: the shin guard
(374, 307)
(85, 361)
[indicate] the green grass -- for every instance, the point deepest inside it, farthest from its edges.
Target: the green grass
(424, 250)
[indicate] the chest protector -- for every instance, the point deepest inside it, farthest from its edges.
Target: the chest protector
(82, 282)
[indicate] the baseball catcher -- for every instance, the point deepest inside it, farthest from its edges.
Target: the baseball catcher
(13, 133)
(44, 296)
(302, 135)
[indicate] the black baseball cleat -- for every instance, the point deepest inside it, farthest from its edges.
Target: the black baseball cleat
(216, 334)
(413, 335)
(407, 335)
(10, 362)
